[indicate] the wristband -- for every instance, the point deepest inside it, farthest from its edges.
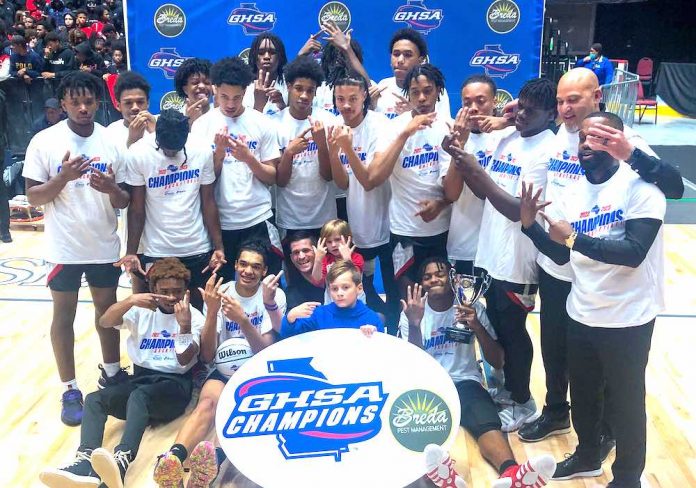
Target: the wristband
(270, 308)
(182, 343)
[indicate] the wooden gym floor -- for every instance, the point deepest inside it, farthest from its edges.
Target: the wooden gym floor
(32, 436)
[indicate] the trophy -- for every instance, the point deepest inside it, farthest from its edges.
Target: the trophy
(467, 290)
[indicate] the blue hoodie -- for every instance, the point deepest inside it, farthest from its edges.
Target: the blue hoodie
(332, 316)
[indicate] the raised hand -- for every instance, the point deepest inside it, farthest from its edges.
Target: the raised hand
(320, 250)
(489, 123)
(402, 104)
(530, 204)
(335, 35)
(342, 136)
(72, 169)
(195, 110)
(602, 137)
(131, 264)
(222, 140)
(311, 45)
(103, 182)
(232, 309)
(318, 130)
(299, 143)
(302, 311)
(150, 300)
(375, 93)
(420, 122)
(559, 230)
(345, 249)
(217, 259)
(414, 305)
(261, 86)
(460, 130)
(182, 312)
(212, 295)
(240, 151)
(269, 285)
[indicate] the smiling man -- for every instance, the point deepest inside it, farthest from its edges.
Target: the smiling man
(192, 83)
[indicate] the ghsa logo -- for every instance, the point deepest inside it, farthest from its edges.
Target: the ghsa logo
(252, 20)
(168, 60)
(418, 16)
(495, 62)
(308, 415)
(484, 159)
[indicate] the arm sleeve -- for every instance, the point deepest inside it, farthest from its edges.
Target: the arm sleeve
(580, 63)
(299, 326)
(36, 167)
(558, 253)
(653, 170)
(629, 251)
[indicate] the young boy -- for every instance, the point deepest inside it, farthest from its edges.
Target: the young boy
(163, 345)
(344, 281)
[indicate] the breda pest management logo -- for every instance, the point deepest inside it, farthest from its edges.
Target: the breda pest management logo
(328, 408)
(418, 16)
(337, 12)
(502, 98)
(244, 54)
(503, 16)
(171, 100)
(252, 20)
(170, 20)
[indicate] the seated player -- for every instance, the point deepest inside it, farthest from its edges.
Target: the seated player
(247, 308)
(344, 281)
(427, 311)
(163, 345)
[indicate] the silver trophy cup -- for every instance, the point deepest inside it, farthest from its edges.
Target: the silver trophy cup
(467, 290)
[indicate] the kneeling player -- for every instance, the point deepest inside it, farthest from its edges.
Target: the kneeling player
(163, 345)
(423, 322)
(247, 308)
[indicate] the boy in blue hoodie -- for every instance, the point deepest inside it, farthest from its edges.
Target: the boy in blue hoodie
(344, 282)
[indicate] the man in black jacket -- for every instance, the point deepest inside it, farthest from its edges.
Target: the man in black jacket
(58, 59)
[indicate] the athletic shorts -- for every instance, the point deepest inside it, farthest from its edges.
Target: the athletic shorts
(195, 264)
(409, 253)
(265, 233)
(68, 277)
(216, 375)
(479, 412)
(468, 268)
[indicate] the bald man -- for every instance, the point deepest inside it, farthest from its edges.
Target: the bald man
(578, 95)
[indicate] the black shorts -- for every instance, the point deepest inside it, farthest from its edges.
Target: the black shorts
(479, 413)
(195, 264)
(468, 268)
(409, 253)
(216, 375)
(265, 233)
(68, 277)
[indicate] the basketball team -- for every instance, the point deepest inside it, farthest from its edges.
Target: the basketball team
(262, 208)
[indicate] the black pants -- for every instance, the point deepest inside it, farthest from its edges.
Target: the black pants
(392, 308)
(611, 360)
(554, 326)
(146, 398)
(509, 319)
(4, 196)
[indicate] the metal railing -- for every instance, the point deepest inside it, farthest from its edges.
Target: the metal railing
(620, 95)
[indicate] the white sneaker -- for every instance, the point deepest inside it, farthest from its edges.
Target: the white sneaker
(515, 415)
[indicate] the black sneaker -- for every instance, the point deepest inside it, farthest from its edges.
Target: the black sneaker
(105, 381)
(543, 427)
(79, 474)
(6, 237)
(606, 445)
(616, 484)
(575, 467)
(71, 413)
(111, 467)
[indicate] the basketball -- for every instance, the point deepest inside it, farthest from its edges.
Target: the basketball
(231, 355)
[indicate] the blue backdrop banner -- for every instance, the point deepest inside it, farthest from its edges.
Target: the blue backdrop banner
(499, 37)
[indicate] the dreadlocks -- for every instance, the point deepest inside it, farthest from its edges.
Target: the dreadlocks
(280, 51)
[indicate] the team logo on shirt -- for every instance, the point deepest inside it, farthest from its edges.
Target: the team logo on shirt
(503, 16)
(418, 16)
(495, 62)
(255, 318)
(159, 342)
(309, 415)
(95, 164)
(423, 157)
(170, 20)
(419, 418)
(362, 156)
(507, 167)
(252, 20)
(336, 11)
(173, 176)
(598, 219)
(566, 166)
(168, 60)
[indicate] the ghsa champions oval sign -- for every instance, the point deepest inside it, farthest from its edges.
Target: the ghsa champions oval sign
(336, 408)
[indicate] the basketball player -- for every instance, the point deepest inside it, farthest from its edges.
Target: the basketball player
(502, 250)
(408, 49)
(245, 155)
(247, 308)
(305, 197)
(192, 83)
(427, 311)
(352, 147)
(172, 202)
(74, 170)
(160, 388)
(267, 93)
(608, 227)
(415, 162)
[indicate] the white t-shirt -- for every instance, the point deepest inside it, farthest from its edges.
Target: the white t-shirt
(270, 108)
(417, 176)
(323, 99)
(253, 308)
(564, 172)
(468, 209)
(81, 225)
(387, 101)
(307, 201)
(457, 358)
(173, 213)
(608, 295)
(503, 251)
(243, 200)
(153, 336)
(368, 211)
